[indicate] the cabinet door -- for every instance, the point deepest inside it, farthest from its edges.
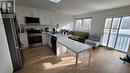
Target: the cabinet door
(21, 14)
(42, 16)
(60, 49)
(24, 40)
(44, 38)
(20, 19)
(49, 41)
(47, 18)
(35, 12)
(28, 11)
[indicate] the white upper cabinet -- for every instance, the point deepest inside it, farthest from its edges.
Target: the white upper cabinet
(27, 11)
(47, 18)
(54, 18)
(42, 16)
(21, 12)
(35, 12)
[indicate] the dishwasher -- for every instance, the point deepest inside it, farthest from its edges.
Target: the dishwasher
(54, 44)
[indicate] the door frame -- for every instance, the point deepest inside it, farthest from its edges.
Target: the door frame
(117, 35)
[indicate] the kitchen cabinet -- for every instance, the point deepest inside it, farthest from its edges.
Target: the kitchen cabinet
(24, 40)
(35, 12)
(44, 38)
(49, 41)
(60, 49)
(41, 16)
(28, 11)
(47, 17)
(21, 12)
(20, 19)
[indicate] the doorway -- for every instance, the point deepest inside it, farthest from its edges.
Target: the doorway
(117, 33)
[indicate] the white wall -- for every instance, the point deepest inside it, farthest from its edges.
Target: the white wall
(5, 59)
(62, 19)
(98, 18)
(46, 17)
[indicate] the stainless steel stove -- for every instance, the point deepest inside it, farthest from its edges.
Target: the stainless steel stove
(34, 37)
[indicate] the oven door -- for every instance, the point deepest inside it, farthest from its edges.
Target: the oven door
(34, 40)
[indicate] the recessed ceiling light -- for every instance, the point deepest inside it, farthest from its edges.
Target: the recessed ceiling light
(55, 1)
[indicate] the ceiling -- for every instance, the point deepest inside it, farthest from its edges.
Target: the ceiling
(75, 7)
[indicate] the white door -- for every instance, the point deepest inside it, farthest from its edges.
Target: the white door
(117, 33)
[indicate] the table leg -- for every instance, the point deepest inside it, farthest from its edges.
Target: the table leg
(67, 50)
(90, 56)
(76, 63)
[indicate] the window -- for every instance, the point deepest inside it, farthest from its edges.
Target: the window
(79, 24)
(117, 33)
(83, 24)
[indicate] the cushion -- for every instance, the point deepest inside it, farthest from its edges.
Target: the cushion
(94, 37)
(74, 37)
(81, 34)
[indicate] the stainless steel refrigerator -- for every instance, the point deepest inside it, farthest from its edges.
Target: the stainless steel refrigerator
(13, 37)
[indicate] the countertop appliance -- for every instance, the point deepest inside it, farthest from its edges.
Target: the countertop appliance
(34, 37)
(13, 33)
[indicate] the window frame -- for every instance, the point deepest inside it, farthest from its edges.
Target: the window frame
(82, 24)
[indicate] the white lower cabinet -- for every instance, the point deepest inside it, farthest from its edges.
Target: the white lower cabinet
(60, 49)
(24, 40)
(49, 41)
(44, 38)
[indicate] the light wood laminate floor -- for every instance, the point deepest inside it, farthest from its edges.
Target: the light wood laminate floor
(43, 60)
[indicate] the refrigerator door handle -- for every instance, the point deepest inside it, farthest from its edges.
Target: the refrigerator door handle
(17, 47)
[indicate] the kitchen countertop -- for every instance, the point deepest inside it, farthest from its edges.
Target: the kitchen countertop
(72, 44)
(58, 35)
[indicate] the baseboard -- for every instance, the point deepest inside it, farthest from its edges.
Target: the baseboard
(112, 49)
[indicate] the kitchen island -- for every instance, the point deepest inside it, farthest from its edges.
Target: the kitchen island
(63, 43)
